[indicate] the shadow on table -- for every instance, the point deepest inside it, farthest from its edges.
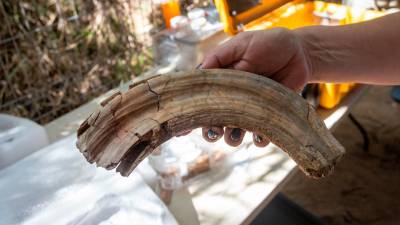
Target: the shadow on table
(282, 211)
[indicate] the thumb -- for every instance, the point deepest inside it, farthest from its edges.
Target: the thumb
(226, 54)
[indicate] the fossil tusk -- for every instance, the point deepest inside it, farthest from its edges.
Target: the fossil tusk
(130, 125)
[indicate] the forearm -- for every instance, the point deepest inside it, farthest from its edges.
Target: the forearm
(367, 52)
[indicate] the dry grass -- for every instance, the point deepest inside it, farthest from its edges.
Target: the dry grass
(58, 54)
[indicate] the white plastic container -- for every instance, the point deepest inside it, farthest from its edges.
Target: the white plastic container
(19, 138)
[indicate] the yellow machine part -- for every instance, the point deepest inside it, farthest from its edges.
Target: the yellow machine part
(169, 10)
(295, 14)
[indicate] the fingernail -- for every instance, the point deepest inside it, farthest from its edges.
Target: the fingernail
(198, 66)
(236, 133)
(258, 138)
(212, 135)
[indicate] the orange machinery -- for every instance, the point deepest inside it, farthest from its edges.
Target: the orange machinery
(238, 16)
(170, 9)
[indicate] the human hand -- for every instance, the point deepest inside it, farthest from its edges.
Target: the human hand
(276, 53)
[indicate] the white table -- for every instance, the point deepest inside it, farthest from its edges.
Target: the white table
(57, 186)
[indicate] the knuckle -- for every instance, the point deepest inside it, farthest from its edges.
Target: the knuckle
(244, 35)
(282, 33)
(285, 36)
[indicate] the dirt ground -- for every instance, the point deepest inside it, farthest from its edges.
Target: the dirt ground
(365, 187)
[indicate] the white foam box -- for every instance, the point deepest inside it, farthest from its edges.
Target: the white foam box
(19, 138)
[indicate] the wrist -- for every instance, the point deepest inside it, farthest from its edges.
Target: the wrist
(309, 44)
(318, 53)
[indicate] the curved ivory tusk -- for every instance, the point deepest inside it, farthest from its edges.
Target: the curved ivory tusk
(130, 125)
